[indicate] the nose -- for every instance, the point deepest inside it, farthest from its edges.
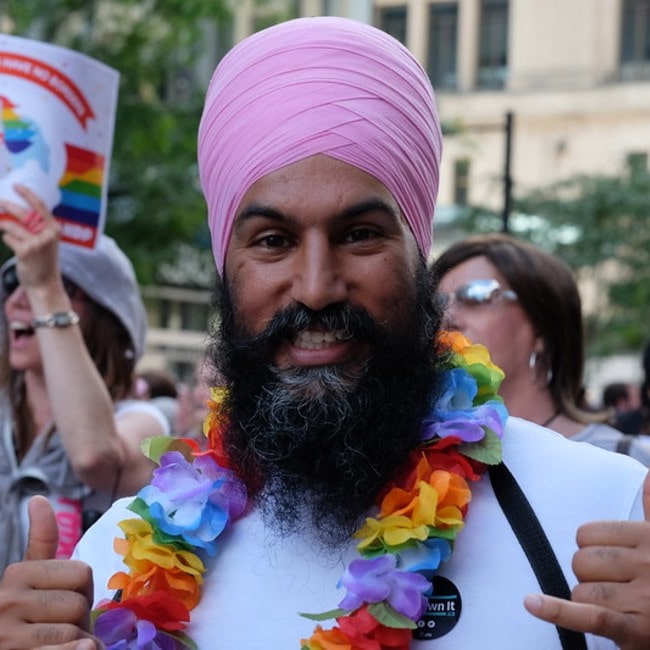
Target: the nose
(17, 298)
(319, 276)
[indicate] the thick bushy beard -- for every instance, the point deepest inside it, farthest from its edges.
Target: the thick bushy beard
(320, 442)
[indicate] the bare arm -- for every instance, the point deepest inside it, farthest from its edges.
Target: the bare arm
(100, 450)
(612, 598)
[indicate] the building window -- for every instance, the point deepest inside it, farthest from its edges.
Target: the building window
(392, 20)
(635, 39)
(493, 44)
(461, 181)
(443, 37)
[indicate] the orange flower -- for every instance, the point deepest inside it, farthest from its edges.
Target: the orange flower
(178, 585)
(443, 507)
(155, 567)
(453, 340)
(322, 639)
(215, 424)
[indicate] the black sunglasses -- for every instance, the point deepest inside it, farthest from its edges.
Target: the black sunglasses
(10, 280)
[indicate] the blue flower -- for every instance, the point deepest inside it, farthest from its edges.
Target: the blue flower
(454, 412)
(425, 557)
(193, 500)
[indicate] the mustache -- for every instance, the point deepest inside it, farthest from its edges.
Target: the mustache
(354, 322)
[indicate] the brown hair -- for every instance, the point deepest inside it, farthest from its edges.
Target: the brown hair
(110, 348)
(548, 294)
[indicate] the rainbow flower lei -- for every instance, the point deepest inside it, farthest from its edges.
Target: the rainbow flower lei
(194, 496)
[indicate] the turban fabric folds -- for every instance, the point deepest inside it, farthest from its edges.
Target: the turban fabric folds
(322, 85)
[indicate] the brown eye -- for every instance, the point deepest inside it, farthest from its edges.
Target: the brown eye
(361, 234)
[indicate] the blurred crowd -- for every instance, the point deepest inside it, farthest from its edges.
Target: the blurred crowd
(628, 403)
(183, 403)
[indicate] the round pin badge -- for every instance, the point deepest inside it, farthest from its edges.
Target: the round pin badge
(443, 610)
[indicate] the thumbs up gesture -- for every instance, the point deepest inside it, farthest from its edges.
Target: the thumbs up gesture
(45, 603)
(612, 598)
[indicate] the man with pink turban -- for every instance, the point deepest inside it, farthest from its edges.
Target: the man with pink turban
(344, 498)
(355, 94)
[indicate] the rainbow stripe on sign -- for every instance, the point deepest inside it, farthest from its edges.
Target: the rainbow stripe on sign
(22, 137)
(81, 196)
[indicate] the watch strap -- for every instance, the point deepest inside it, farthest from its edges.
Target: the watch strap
(57, 319)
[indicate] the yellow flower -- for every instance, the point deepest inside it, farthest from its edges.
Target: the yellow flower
(155, 567)
(140, 551)
(475, 358)
(404, 516)
(411, 522)
(217, 416)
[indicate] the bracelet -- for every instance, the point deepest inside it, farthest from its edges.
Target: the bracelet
(56, 319)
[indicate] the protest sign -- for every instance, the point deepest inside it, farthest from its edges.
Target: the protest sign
(57, 118)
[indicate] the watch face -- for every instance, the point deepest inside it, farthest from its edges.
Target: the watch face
(61, 320)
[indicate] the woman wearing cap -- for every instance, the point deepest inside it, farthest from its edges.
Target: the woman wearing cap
(74, 328)
(523, 304)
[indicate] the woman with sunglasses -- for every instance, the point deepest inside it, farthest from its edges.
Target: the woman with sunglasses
(523, 304)
(73, 329)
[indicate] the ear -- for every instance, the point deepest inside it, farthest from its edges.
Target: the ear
(539, 347)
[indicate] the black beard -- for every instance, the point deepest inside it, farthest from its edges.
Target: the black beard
(322, 441)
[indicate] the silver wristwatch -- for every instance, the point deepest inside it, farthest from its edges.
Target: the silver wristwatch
(56, 319)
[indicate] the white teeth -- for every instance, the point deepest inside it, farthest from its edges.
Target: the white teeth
(19, 326)
(318, 340)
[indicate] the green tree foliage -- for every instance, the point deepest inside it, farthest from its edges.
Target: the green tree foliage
(165, 51)
(600, 226)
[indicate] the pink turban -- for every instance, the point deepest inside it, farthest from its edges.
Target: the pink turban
(322, 85)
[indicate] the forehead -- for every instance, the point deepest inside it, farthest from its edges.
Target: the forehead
(475, 268)
(317, 185)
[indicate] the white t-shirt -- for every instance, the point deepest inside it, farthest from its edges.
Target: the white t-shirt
(258, 583)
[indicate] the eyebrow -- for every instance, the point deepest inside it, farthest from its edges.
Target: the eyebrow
(370, 205)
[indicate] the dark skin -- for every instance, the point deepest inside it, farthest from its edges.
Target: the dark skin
(45, 603)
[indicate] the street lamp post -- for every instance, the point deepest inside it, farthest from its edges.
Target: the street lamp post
(507, 177)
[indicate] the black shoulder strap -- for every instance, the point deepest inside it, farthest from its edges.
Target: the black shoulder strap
(535, 544)
(624, 443)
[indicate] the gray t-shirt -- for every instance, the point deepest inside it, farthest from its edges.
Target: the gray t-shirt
(606, 437)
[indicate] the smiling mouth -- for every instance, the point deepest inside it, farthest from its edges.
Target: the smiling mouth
(21, 329)
(317, 340)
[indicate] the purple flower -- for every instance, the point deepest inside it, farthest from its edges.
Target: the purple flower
(193, 500)
(120, 629)
(377, 579)
(453, 414)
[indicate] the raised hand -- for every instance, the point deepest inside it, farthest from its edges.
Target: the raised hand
(45, 603)
(33, 235)
(612, 598)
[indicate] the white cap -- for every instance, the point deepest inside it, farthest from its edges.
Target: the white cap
(106, 275)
